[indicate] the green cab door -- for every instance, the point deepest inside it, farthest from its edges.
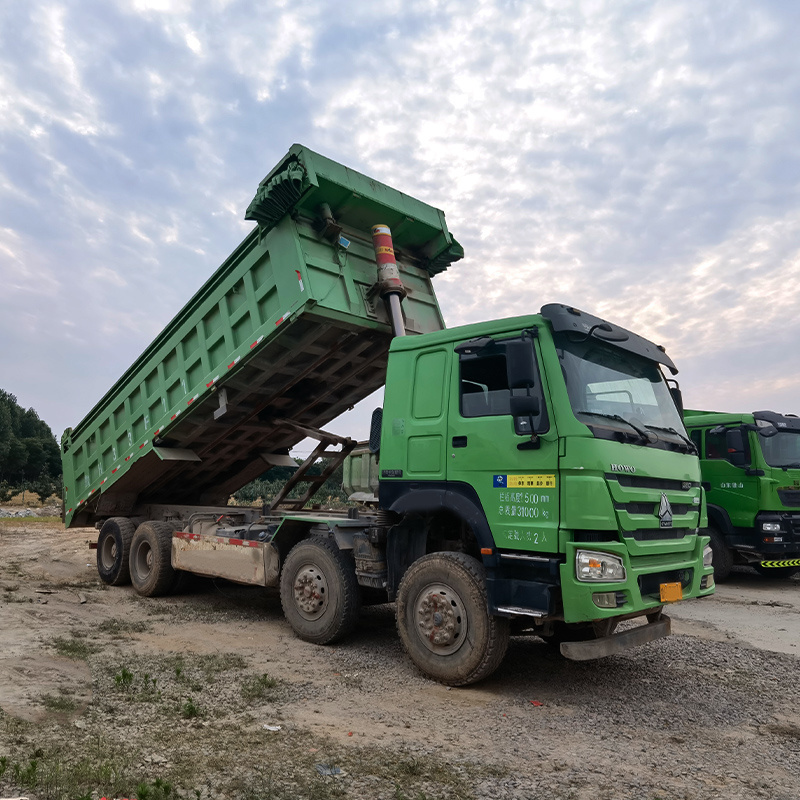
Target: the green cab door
(727, 484)
(517, 487)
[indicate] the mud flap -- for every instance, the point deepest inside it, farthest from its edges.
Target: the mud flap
(617, 642)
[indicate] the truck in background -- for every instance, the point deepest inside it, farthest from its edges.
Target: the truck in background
(533, 473)
(751, 475)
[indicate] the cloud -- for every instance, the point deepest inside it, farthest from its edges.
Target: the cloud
(639, 161)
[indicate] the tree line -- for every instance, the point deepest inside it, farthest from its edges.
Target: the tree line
(30, 458)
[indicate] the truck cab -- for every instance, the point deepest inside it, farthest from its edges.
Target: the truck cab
(751, 475)
(551, 449)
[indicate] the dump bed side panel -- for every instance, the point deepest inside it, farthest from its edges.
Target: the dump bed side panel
(288, 328)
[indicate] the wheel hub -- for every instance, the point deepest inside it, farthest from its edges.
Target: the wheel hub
(310, 592)
(108, 553)
(441, 619)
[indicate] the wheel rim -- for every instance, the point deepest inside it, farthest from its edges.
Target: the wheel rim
(143, 560)
(440, 619)
(108, 552)
(310, 591)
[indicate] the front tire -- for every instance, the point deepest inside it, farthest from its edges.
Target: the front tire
(319, 592)
(113, 550)
(151, 568)
(443, 619)
(721, 556)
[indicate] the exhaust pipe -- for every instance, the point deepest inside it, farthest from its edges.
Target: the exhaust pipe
(389, 284)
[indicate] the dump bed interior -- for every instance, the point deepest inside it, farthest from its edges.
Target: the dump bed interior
(289, 328)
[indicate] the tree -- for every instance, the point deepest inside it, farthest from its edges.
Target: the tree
(29, 453)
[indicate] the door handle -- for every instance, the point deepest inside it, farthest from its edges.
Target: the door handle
(459, 441)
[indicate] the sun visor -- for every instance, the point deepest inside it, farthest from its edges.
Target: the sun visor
(571, 320)
(779, 421)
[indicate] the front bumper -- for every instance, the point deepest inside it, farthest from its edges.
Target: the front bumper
(656, 628)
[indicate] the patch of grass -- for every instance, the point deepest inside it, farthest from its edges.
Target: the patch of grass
(60, 704)
(259, 687)
(51, 777)
(119, 628)
(124, 678)
(73, 648)
(10, 594)
(158, 790)
(214, 664)
(190, 709)
(39, 522)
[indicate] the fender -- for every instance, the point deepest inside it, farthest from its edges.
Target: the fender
(718, 517)
(406, 541)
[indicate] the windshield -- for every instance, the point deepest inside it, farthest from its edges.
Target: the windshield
(782, 450)
(615, 389)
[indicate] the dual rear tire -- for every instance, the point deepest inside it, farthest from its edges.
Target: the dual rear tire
(141, 556)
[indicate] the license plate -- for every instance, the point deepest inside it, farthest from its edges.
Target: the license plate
(671, 592)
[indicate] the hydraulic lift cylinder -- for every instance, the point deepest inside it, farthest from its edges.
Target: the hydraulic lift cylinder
(389, 284)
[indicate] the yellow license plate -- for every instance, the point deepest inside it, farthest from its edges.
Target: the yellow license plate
(671, 592)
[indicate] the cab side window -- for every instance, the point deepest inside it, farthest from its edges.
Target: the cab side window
(716, 446)
(697, 437)
(484, 386)
(484, 389)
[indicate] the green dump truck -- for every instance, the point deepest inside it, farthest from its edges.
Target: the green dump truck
(751, 475)
(526, 474)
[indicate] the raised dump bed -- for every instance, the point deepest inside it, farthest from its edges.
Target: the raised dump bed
(290, 328)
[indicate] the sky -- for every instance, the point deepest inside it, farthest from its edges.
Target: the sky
(638, 160)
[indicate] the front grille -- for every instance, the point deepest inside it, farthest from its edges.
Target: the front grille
(657, 534)
(793, 523)
(789, 497)
(595, 536)
(640, 482)
(652, 508)
(651, 584)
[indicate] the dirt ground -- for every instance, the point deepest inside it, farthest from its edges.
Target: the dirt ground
(208, 694)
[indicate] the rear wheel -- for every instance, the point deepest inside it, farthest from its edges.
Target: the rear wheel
(319, 592)
(721, 555)
(151, 568)
(444, 622)
(113, 549)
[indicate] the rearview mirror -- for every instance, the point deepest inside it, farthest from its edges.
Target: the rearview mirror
(519, 365)
(734, 443)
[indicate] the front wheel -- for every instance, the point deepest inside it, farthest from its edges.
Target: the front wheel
(113, 549)
(444, 622)
(319, 591)
(721, 556)
(151, 568)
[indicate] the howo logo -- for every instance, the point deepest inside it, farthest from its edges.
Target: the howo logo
(665, 512)
(622, 468)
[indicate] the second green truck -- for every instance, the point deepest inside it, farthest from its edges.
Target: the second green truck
(533, 473)
(751, 475)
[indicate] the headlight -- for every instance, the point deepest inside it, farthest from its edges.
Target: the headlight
(591, 566)
(771, 527)
(708, 556)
